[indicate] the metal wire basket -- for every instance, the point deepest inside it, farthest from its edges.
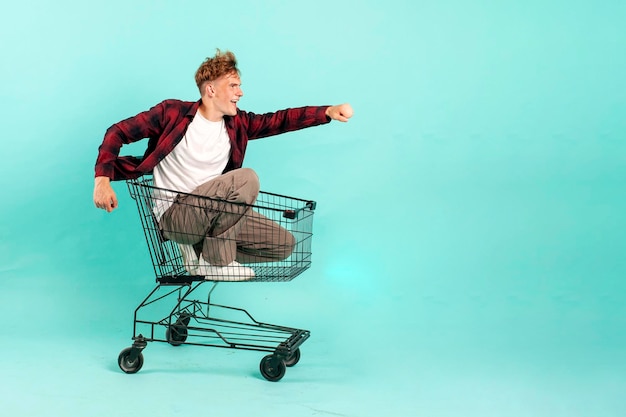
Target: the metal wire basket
(292, 214)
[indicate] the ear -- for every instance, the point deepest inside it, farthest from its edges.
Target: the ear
(207, 89)
(210, 89)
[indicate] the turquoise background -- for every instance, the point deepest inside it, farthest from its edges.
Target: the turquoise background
(469, 237)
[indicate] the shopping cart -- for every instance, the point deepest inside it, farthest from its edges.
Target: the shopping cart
(176, 312)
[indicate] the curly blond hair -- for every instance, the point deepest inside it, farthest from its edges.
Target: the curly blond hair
(212, 68)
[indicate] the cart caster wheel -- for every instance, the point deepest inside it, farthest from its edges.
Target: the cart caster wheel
(273, 368)
(184, 319)
(293, 359)
(176, 335)
(126, 364)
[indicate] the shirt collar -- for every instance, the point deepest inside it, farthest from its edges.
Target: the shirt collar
(193, 109)
(228, 120)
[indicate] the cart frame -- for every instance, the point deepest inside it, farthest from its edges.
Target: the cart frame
(194, 319)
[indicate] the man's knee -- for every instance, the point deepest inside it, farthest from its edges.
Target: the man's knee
(288, 246)
(249, 177)
(246, 185)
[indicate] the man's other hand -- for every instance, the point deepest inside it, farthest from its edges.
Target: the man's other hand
(103, 195)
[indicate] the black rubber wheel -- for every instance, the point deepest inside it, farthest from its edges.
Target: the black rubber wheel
(176, 335)
(128, 366)
(272, 368)
(293, 359)
(184, 319)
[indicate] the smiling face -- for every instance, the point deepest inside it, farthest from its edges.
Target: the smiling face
(227, 92)
(220, 97)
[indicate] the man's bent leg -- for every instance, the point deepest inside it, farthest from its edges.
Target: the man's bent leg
(263, 240)
(209, 215)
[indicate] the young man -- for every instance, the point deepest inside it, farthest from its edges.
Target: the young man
(198, 148)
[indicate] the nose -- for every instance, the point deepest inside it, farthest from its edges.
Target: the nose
(239, 92)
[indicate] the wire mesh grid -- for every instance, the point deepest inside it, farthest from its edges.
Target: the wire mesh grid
(290, 234)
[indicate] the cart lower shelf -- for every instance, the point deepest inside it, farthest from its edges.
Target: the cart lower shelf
(199, 323)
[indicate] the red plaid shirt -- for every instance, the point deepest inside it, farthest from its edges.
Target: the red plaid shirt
(166, 123)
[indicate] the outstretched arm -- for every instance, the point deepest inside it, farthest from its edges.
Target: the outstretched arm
(341, 112)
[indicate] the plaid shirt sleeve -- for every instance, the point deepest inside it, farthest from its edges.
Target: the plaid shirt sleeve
(164, 124)
(247, 125)
(144, 125)
(282, 121)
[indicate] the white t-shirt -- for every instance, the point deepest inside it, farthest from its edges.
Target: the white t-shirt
(200, 156)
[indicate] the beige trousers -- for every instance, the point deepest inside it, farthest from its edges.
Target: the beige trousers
(216, 218)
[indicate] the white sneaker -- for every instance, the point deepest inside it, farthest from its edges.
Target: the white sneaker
(234, 271)
(190, 259)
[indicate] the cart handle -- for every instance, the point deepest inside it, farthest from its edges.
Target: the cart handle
(292, 214)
